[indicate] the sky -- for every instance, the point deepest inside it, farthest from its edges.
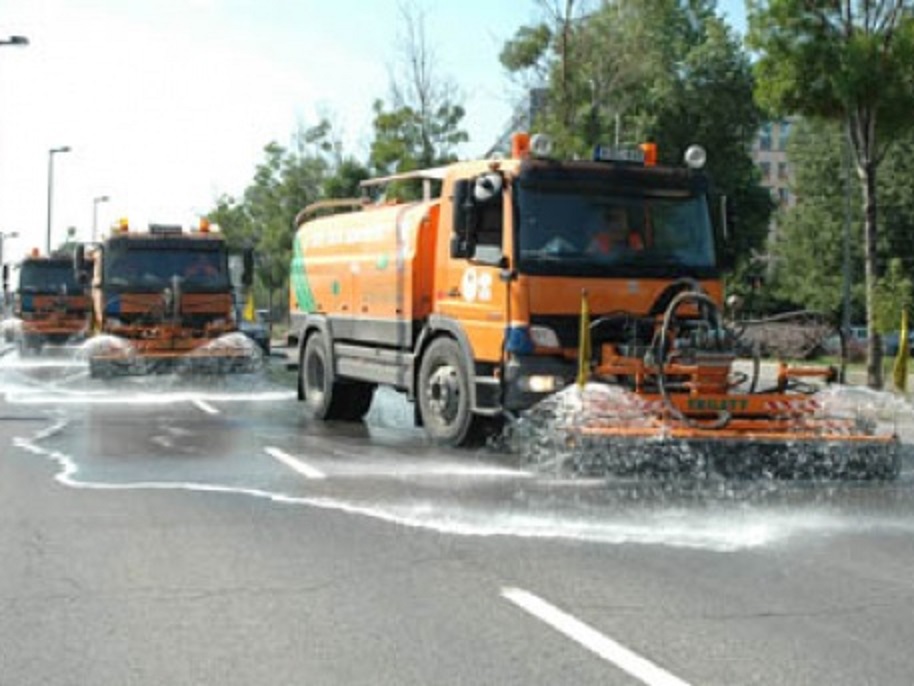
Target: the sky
(167, 104)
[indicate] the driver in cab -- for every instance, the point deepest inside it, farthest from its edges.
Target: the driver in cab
(200, 268)
(614, 236)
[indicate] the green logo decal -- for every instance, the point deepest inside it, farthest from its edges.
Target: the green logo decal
(299, 279)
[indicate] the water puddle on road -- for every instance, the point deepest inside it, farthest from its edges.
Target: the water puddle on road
(378, 473)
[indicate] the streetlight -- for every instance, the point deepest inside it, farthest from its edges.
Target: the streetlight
(51, 153)
(95, 201)
(6, 286)
(15, 40)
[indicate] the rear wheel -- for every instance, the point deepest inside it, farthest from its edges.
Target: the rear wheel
(444, 396)
(326, 397)
(317, 385)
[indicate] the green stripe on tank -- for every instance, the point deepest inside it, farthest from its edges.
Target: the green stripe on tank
(299, 278)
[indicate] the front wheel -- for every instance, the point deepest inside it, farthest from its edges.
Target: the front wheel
(444, 395)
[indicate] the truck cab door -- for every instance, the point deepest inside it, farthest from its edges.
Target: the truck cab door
(476, 296)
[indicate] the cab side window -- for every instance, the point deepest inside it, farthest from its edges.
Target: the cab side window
(488, 230)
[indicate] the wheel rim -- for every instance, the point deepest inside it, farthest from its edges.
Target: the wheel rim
(444, 393)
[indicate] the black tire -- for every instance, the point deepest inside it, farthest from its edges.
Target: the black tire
(317, 383)
(443, 395)
(326, 397)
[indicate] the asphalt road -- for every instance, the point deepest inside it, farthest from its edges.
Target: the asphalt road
(161, 531)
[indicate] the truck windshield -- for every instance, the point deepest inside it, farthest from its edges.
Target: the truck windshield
(567, 230)
(44, 276)
(151, 267)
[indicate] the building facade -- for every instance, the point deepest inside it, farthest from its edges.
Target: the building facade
(769, 152)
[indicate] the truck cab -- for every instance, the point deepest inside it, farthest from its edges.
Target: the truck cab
(162, 294)
(52, 306)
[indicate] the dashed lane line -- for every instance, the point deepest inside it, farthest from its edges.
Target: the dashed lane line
(294, 463)
(639, 667)
(205, 406)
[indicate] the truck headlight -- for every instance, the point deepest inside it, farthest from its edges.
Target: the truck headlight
(541, 383)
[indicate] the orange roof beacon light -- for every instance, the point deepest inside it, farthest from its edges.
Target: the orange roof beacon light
(520, 145)
(204, 225)
(123, 225)
(35, 252)
(650, 154)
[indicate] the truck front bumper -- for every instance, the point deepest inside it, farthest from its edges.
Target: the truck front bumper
(528, 379)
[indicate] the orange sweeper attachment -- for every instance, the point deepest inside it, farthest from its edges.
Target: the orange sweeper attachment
(684, 395)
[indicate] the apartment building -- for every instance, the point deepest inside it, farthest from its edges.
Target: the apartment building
(769, 152)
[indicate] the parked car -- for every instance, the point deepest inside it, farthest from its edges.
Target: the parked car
(856, 344)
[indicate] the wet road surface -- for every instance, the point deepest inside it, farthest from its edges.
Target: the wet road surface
(162, 530)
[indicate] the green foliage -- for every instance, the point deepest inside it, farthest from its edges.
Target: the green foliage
(808, 252)
(526, 49)
(422, 127)
(823, 58)
(405, 139)
(344, 181)
(284, 182)
(662, 70)
(896, 195)
(849, 62)
(893, 294)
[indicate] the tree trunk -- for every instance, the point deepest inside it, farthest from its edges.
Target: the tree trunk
(874, 340)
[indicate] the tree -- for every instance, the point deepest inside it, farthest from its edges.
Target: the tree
(422, 128)
(849, 62)
(808, 251)
(285, 182)
(808, 248)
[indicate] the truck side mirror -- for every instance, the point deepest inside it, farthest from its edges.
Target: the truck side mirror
(247, 275)
(6, 278)
(461, 207)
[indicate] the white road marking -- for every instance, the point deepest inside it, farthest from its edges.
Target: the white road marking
(205, 406)
(302, 468)
(641, 668)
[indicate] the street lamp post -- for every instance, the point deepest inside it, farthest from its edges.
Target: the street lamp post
(3, 237)
(95, 201)
(51, 153)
